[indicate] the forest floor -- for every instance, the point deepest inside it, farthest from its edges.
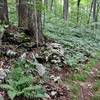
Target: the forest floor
(6, 61)
(64, 84)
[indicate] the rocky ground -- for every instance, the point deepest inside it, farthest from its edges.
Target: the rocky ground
(13, 48)
(50, 58)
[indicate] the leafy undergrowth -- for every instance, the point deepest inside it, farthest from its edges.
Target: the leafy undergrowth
(80, 43)
(23, 80)
(19, 82)
(96, 88)
(76, 78)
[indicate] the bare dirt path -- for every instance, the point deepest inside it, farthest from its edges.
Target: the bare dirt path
(85, 88)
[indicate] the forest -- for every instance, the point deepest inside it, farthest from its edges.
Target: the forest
(49, 49)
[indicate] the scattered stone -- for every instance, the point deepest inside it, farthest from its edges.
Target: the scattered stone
(1, 97)
(56, 78)
(53, 93)
(11, 53)
(53, 52)
(40, 69)
(56, 91)
(23, 56)
(2, 74)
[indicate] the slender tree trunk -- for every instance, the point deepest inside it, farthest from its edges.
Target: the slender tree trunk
(4, 12)
(78, 10)
(51, 5)
(98, 9)
(65, 9)
(46, 4)
(94, 26)
(97, 13)
(90, 11)
(22, 13)
(94, 10)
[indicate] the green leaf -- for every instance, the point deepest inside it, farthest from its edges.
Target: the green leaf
(12, 94)
(39, 95)
(6, 87)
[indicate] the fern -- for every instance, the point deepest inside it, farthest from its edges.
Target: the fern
(19, 83)
(6, 87)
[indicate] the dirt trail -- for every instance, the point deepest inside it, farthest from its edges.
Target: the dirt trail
(85, 88)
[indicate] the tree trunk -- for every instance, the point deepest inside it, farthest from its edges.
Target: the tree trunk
(51, 6)
(90, 11)
(4, 12)
(78, 10)
(22, 13)
(35, 22)
(98, 9)
(46, 4)
(65, 9)
(94, 10)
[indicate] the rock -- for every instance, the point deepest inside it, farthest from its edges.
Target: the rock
(2, 74)
(11, 53)
(23, 56)
(1, 97)
(57, 47)
(52, 76)
(53, 52)
(53, 93)
(40, 69)
(56, 78)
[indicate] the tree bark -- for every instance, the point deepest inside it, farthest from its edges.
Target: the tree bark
(22, 10)
(98, 9)
(51, 6)
(65, 9)
(46, 4)
(94, 10)
(4, 12)
(90, 11)
(78, 11)
(35, 22)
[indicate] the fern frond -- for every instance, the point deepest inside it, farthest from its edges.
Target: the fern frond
(25, 79)
(12, 94)
(6, 87)
(34, 91)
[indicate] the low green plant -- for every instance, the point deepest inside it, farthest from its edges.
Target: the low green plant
(96, 97)
(96, 86)
(80, 43)
(19, 83)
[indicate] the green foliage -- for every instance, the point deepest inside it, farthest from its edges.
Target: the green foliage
(96, 97)
(1, 28)
(96, 86)
(80, 43)
(18, 83)
(12, 11)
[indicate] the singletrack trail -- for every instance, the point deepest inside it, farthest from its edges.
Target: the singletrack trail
(85, 87)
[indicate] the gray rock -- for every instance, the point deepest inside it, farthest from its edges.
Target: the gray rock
(23, 57)
(1, 97)
(40, 69)
(11, 53)
(2, 74)
(53, 53)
